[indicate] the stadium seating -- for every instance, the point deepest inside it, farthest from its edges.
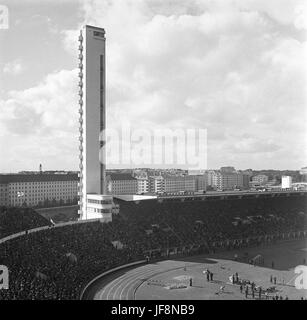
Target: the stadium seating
(14, 220)
(56, 263)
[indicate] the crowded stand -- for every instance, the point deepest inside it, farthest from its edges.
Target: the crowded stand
(196, 221)
(57, 262)
(14, 220)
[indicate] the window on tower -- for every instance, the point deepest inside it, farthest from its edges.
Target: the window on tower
(98, 34)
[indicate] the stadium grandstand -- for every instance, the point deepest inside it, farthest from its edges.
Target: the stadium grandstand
(56, 262)
(14, 220)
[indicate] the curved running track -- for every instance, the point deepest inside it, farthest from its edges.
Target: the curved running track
(122, 285)
(131, 283)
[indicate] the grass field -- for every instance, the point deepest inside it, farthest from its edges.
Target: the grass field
(152, 281)
(59, 214)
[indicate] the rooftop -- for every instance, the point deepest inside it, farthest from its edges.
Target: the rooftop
(121, 176)
(10, 178)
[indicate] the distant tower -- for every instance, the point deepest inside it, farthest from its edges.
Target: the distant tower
(40, 169)
(94, 203)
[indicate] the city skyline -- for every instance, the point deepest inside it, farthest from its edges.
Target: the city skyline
(241, 78)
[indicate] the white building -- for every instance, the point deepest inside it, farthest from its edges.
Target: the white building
(156, 184)
(142, 185)
(101, 206)
(43, 190)
(286, 182)
(173, 184)
(177, 184)
(92, 111)
(225, 180)
(121, 183)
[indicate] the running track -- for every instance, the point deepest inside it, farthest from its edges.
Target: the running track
(124, 287)
(127, 284)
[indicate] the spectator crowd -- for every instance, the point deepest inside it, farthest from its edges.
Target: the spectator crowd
(14, 220)
(57, 262)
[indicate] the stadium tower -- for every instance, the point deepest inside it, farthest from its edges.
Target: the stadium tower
(93, 201)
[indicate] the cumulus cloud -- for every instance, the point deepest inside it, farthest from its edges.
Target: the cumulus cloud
(250, 144)
(300, 21)
(13, 68)
(233, 67)
(42, 123)
(48, 107)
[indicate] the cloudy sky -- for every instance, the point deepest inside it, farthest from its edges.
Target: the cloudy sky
(234, 67)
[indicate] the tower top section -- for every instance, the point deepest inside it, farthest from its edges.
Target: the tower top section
(93, 27)
(97, 32)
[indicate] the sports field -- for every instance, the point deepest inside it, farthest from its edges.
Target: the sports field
(59, 214)
(170, 279)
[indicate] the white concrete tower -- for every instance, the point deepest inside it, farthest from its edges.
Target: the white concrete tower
(94, 203)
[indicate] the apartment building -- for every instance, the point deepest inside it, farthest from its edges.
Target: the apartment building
(121, 183)
(260, 179)
(201, 182)
(227, 180)
(38, 189)
(156, 184)
(177, 184)
(142, 185)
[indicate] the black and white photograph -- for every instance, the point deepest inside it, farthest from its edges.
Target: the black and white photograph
(153, 153)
